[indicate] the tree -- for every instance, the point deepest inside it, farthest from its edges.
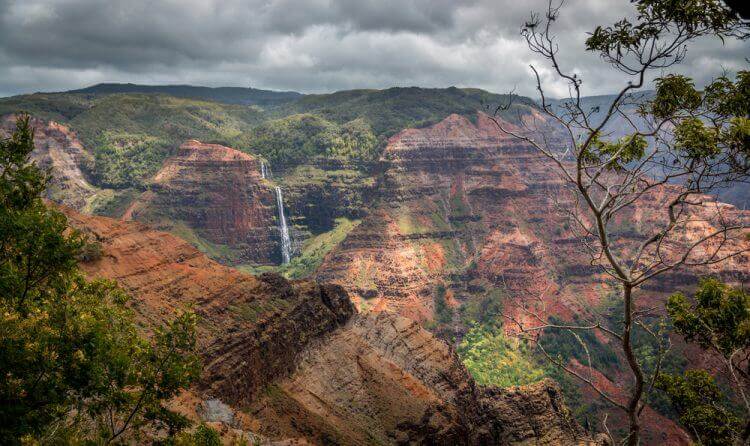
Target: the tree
(717, 320)
(685, 144)
(73, 362)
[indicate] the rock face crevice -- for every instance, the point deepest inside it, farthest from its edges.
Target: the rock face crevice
(301, 364)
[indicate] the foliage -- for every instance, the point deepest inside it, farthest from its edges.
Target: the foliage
(90, 252)
(582, 345)
(203, 435)
(316, 248)
(127, 160)
(392, 110)
(301, 138)
(487, 309)
(699, 402)
(131, 134)
(227, 95)
(493, 360)
(719, 319)
(111, 203)
(657, 17)
(615, 155)
(443, 312)
(206, 436)
(674, 92)
(354, 140)
(70, 354)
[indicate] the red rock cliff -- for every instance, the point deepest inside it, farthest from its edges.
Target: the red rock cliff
(57, 147)
(301, 364)
(218, 193)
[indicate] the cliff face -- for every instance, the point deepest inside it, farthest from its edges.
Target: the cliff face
(454, 196)
(301, 364)
(58, 148)
(470, 210)
(218, 193)
(469, 207)
(382, 379)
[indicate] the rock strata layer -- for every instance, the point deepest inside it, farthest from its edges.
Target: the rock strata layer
(302, 365)
(218, 193)
(56, 147)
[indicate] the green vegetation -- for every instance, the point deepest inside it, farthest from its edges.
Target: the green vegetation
(227, 95)
(316, 248)
(124, 160)
(313, 252)
(111, 203)
(443, 312)
(485, 309)
(717, 320)
(494, 360)
(302, 176)
(75, 367)
(301, 138)
(203, 436)
(130, 135)
(583, 345)
(251, 311)
(215, 251)
(703, 407)
(164, 117)
(392, 110)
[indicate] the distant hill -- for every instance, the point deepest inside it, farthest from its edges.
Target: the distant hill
(131, 129)
(227, 95)
(391, 110)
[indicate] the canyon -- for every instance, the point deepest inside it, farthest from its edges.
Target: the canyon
(296, 362)
(456, 211)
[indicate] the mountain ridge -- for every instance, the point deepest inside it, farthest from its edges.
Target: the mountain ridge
(229, 94)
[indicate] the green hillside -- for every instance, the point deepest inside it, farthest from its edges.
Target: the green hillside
(391, 110)
(228, 95)
(130, 133)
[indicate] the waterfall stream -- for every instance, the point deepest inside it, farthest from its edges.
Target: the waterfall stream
(263, 170)
(286, 242)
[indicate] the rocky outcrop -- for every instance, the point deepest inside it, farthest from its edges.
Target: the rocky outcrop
(218, 193)
(302, 365)
(59, 149)
(251, 328)
(382, 379)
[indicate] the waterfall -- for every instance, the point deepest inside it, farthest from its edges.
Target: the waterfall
(286, 242)
(265, 170)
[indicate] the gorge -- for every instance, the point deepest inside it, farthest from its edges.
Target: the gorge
(336, 296)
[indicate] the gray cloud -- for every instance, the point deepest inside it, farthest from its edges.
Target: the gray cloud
(305, 45)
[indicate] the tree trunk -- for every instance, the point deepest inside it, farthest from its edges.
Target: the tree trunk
(635, 368)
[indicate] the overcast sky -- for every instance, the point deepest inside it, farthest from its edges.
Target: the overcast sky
(309, 46)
